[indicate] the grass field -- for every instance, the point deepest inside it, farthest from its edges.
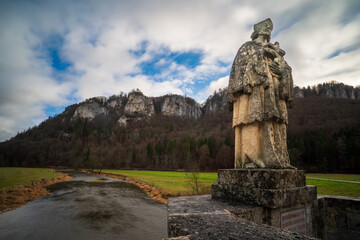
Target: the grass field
(179, 183)
(11, 177)
(338, 188)
(174, 183)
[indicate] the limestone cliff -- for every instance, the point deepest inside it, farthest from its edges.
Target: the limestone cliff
(89, 110)
(136, 106)
(217, 101)
(329, 90)
(176, 105)
(139, 105)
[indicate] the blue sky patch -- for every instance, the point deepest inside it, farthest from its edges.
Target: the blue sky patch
(161, 62)
(51, 110)
(56, 62)
(344, 50)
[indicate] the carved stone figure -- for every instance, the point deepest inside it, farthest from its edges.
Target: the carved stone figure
(260, 89)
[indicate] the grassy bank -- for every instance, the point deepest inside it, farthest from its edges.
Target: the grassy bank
(331, 184)
(12, 177)
(181, 183)
(173, 183)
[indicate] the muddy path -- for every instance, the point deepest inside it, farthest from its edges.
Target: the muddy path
(88, 207)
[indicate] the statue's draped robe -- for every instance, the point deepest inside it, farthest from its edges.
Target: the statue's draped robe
(259, 104)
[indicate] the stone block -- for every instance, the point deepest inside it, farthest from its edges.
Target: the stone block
(262, 178)
(336, 219)
(346, 204)
(271, 198)
(354, 221)
(340, 233)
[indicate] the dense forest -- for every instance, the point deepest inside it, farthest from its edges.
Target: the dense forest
(323, 136)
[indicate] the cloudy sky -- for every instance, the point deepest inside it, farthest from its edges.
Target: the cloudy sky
(55, 53)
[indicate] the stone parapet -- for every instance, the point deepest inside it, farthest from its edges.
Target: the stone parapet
(201, 217)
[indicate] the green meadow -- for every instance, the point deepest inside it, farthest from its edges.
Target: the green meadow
(180, 183)
(173, 183)
(331, 184)
(12, 176)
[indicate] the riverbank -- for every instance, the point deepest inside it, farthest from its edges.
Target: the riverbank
(151, 191)
(20, 195)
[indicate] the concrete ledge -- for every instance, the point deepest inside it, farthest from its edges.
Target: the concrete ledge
(200, 217)
(262, 178)
(271, 198)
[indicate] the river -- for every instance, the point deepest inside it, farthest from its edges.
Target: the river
(87, 207)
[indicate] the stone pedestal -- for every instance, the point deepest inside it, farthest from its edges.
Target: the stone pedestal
(282, 193)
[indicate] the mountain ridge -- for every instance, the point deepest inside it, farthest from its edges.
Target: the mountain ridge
(175, 132)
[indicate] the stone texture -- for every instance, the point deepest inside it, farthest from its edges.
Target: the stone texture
(339, 234)
(262, 178)
(176, 105)
(218, 101)
(260, 88)
(271, 198)
(89, 110)
(336, 217)
(139, 105)
(200, 217)
(115, 103)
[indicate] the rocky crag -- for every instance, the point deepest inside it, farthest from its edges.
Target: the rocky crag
(136, 106)
(330, 90)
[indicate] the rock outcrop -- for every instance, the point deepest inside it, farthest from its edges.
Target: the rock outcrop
(89, 110)
(139, 105)
(176, 105)
(329, 90)
(136, 106)
(216, 102)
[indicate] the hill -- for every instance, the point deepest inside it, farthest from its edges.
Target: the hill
(174, 132)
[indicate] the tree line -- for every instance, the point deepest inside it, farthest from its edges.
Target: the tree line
(173, 143)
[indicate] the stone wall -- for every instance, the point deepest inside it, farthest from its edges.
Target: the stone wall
(336, 217)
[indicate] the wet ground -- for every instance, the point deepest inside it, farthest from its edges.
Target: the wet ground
(88, 207)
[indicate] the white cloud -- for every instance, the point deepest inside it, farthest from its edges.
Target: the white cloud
(98, 38)
(212, 87)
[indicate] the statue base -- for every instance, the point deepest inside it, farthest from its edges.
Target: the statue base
(281, 193)
(271, 188)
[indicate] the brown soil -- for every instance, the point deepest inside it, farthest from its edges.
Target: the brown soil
(151, 191)
(18, 196)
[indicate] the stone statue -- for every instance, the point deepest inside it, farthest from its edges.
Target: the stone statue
(260, 89)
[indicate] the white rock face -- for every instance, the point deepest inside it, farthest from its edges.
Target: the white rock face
(123, 121)
(116, 103)
(139, 104)
(102, 99)
(216, 102)
(89, 110)
(175, 105)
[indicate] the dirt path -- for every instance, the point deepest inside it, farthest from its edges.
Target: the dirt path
(19, 196)
(151, 191)
(334, 180)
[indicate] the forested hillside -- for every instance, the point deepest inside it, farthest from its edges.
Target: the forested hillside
(173, 132)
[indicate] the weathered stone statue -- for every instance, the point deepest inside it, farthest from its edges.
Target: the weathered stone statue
(260, 88)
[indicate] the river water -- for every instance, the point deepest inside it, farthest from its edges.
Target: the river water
(87, 207)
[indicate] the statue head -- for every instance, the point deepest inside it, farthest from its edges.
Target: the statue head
(262, 28)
